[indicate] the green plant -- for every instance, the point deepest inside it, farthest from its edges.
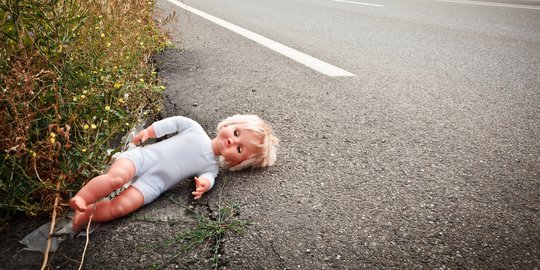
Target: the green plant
(206, 236)
(75, 76)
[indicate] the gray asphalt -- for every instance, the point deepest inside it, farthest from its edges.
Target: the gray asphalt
(428, 158)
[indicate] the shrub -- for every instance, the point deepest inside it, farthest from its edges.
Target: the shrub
(75, 76)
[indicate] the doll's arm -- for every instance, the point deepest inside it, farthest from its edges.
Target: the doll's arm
(145, 134)
(202, 185)
(170, 125)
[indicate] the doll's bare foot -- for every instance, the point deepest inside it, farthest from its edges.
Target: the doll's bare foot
(78, 221)
(78, 204)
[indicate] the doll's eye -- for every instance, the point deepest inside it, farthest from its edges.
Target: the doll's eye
(239, 150)
(236, 133)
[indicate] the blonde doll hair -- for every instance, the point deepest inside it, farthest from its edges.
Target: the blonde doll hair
(266, 156)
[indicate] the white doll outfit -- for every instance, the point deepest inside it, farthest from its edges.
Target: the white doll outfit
(162, 165)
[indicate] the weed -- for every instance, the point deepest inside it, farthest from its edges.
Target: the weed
(205, 238)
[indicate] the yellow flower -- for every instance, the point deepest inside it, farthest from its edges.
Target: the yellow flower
(127, 124)
(34, 154)
(121, 100)
(141, 80)
(142, 43)
(108, 44)
(86, 126)
(83, 96)
(117, 85)
(162, 87)
(52, 135)
(107, 108)
(102, 35)
(93, 126)
(84, 92)
(75, 99)
(53, 140)
(145, 113)
(83, 150)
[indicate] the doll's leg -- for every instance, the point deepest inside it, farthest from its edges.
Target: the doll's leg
(120, 172)
(126, 202)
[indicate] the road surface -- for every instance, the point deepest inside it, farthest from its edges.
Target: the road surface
(427, 156)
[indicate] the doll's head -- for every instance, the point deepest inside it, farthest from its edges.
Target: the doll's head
(247, 141)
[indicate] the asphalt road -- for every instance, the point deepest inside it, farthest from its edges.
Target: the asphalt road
(428, 157)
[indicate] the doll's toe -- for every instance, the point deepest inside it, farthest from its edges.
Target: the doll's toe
(78, 204)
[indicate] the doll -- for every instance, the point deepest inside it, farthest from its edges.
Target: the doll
(242, 141)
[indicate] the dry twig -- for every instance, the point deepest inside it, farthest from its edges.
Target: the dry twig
(87, 236)
(51, 230)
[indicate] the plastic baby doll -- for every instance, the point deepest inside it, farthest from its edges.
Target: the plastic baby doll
(242, 141)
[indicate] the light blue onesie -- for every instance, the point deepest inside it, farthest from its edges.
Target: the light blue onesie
(162, 165)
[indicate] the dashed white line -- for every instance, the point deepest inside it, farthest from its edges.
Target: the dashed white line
(309, 61)
(358, 3)
(490, 4)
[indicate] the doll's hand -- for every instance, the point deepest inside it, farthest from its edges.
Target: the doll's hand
(144, 135)
(202, 185)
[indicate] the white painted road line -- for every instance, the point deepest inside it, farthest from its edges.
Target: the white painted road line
(492, 4)
(300, 57)
(358, 3)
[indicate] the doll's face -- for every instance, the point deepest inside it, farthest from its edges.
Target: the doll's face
(236, 144)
